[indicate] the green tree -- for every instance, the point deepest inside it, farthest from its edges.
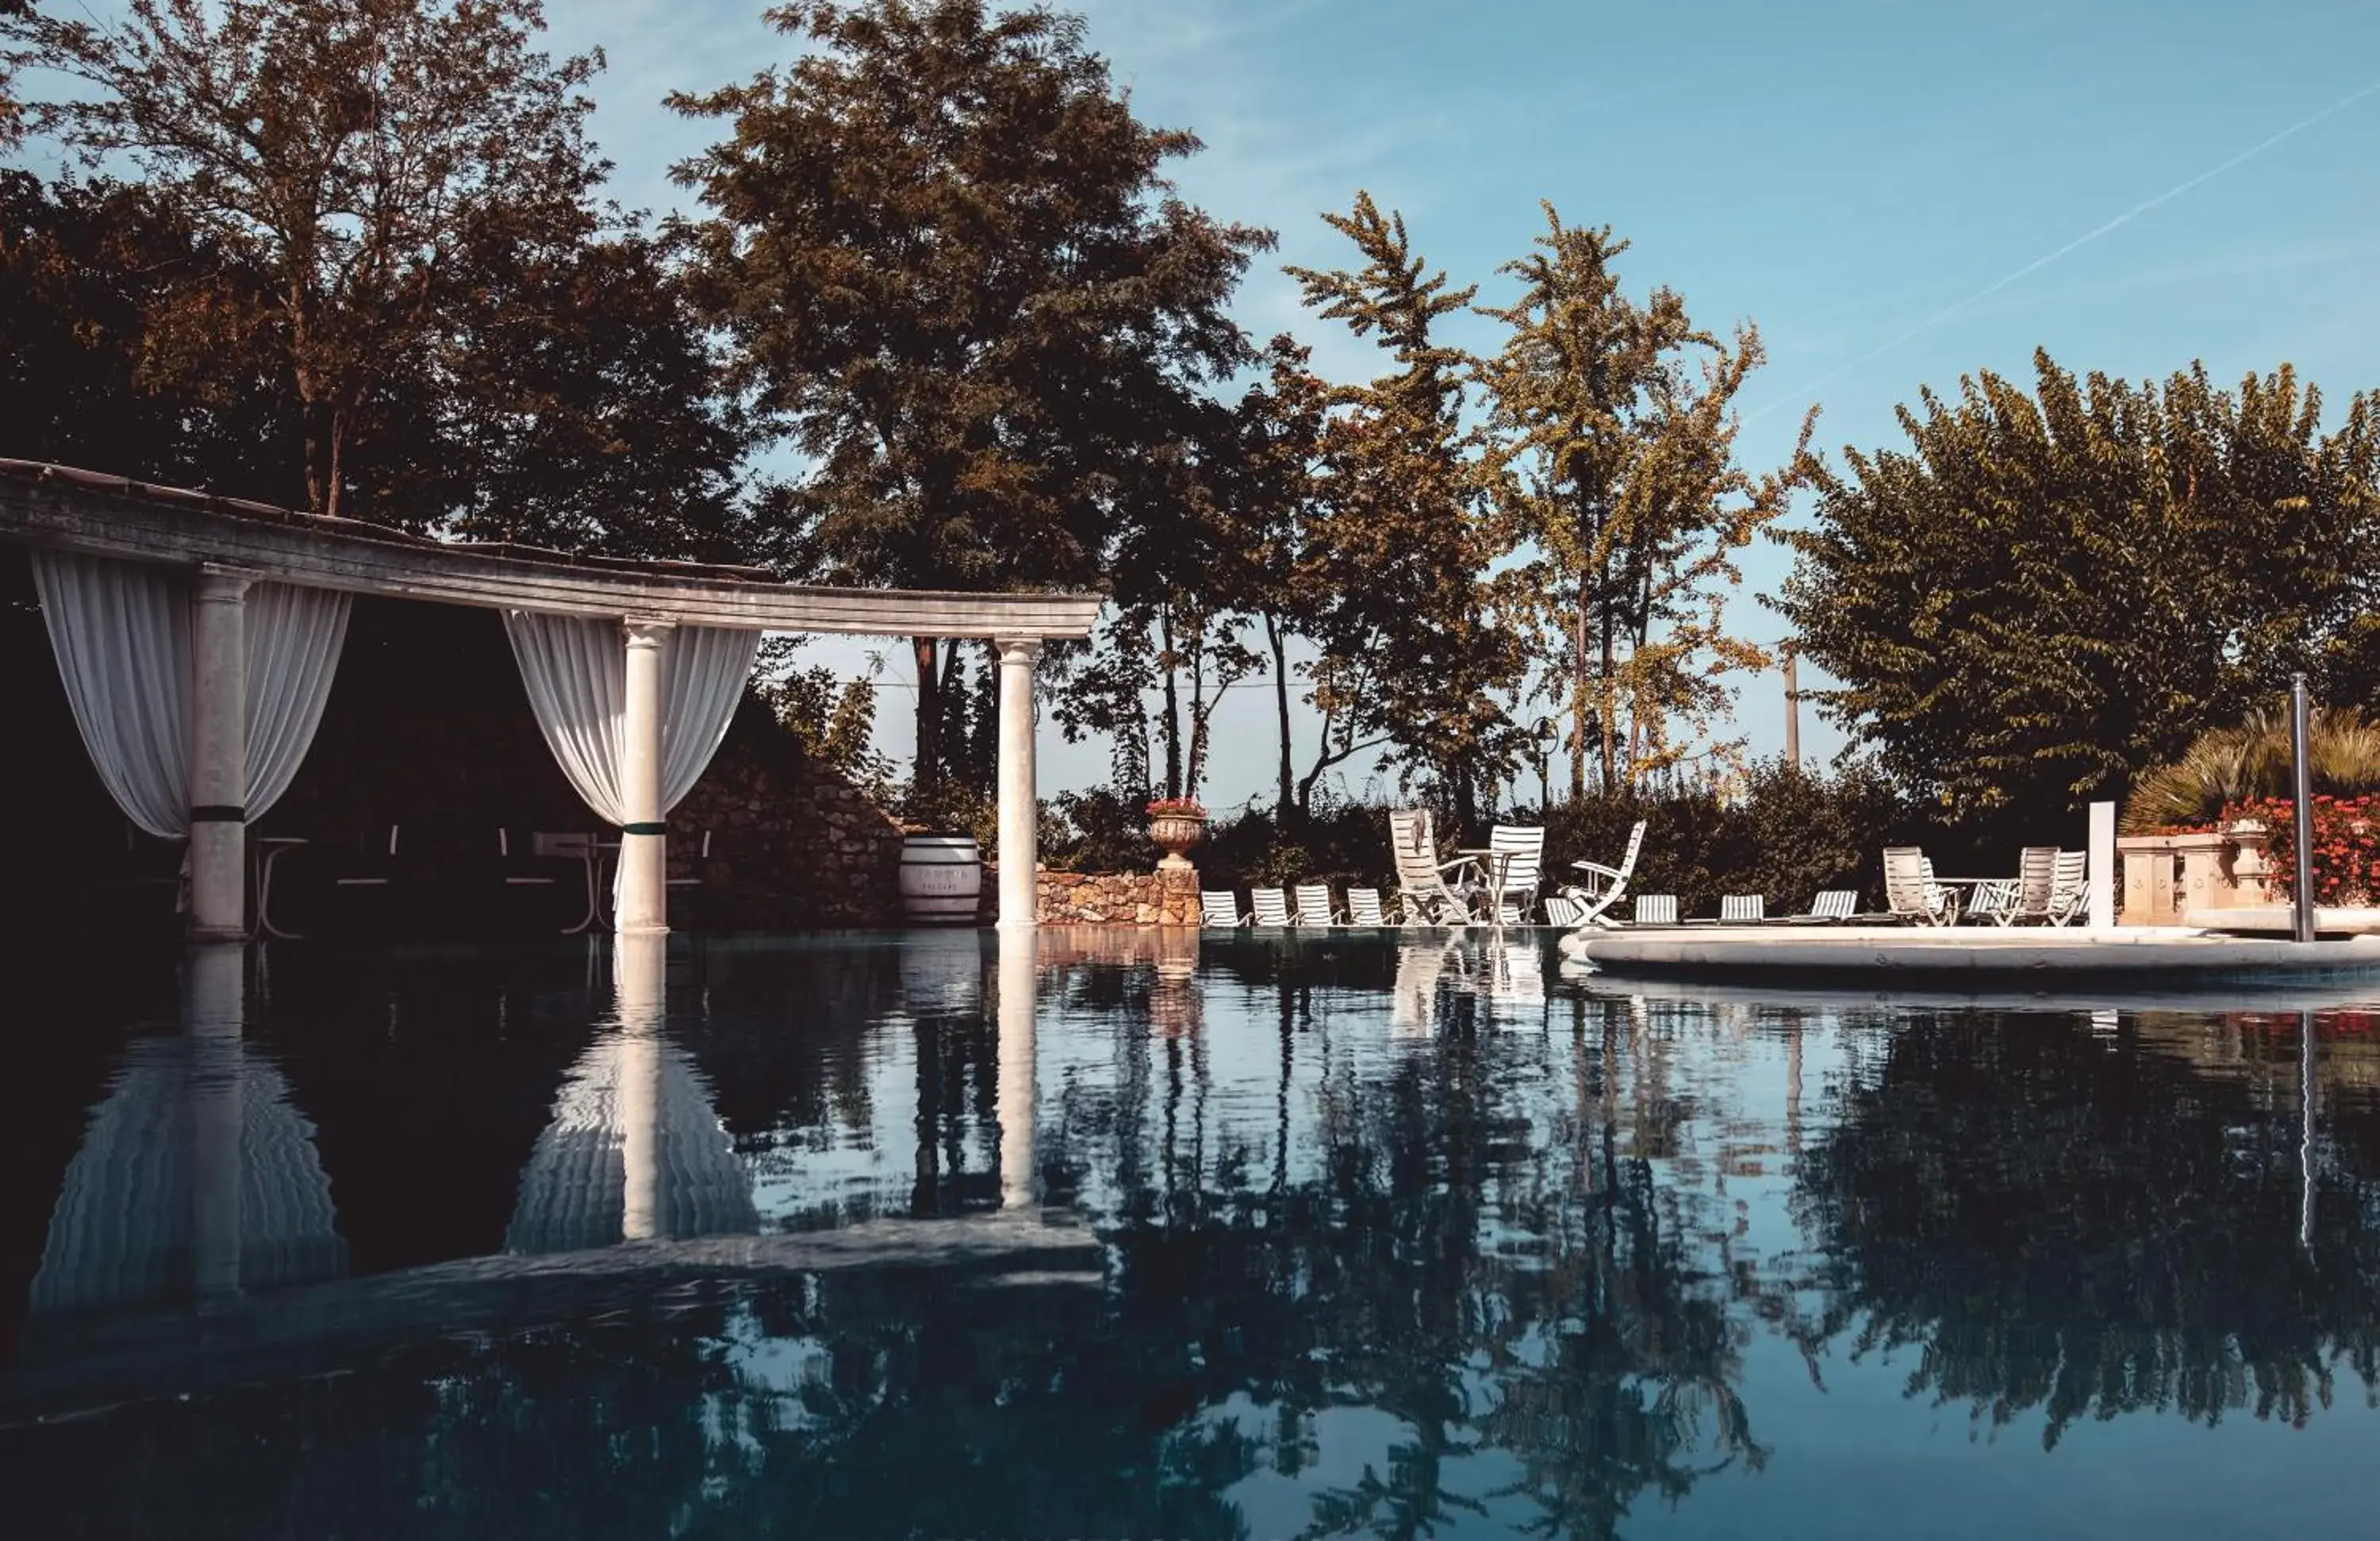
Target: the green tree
(347, 150)
(1398, 551)
(2047, 592)
(1615, 423)
(954, 274)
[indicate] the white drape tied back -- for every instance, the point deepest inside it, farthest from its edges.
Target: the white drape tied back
(121, 631)
(575, 669)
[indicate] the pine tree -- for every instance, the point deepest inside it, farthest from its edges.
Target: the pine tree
(1615, 427)
(1415, 651)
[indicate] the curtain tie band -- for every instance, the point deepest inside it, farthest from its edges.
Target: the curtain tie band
(643, 829)
(218, 813)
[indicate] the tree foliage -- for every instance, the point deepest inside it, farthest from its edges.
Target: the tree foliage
(1397, 573)
(343, 151)
(1614, 421)
(954, 274)
(2047, 592)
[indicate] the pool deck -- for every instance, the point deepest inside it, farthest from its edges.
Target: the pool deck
(1876, 953)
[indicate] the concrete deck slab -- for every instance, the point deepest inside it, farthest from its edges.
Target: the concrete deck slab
(2148, 954)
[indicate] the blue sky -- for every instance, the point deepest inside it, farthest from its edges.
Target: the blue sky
(1849, 174)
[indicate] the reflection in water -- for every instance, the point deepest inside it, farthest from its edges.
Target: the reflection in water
(196, 1177)
(635, 1150)
(1151, 1233)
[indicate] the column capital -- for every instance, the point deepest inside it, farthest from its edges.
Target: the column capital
(649, 631)
(221, 585)
(1018, 649)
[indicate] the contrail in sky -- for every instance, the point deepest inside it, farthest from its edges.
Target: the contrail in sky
(2135, 211)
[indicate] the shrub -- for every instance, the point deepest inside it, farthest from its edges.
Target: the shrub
(2346, 846)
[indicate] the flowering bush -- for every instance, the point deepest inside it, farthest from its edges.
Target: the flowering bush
(1176, 807)
(2346, 846)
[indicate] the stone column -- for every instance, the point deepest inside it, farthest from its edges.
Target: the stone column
(640, 972)
(1017, 1090)
(219, 757)
(1020, 838)
(643, 906)
(2102, 866)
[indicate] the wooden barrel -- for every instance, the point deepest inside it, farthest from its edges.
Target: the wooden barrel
(942, 879)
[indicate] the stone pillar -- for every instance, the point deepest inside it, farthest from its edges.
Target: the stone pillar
(214, 1001)
(219, 757)
(640, 974)
(2103, 866)
(1017, 1090)
(1020, 837)
(643, 908)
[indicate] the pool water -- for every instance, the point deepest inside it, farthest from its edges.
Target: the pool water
(1114, 1234)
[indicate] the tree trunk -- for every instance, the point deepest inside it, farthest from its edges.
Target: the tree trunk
(1610, 713)
(1280, 645)
(926, 775)
(1173, 704)
(1578, 700)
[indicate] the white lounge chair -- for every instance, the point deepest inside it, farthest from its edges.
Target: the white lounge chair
(1831, 907)
(1363, 907)
(1909, 892)
(2069, 888)
(1269, 906)
(1603, 886)
(1743, 909)
(1655, 909)
(2028, 897)
(1314, 907)
(1219, 906)
(1562, 910)
(1427, 897)
(1522, 846)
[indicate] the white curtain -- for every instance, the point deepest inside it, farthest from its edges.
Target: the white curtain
(121, 631)
(575, 671)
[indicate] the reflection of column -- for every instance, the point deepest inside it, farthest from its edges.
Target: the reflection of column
(641, 970)
(1019, 816)
(1017, 1055)
(2306, 1071)
(644, 846)
(212, 1004)
(219, 757)
(1793, 1030)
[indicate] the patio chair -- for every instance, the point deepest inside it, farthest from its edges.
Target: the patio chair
(1523, 849)
(1562, 910)
(1743, 909)
(1314, 907)
(2037, 884)
(2069, 888)
(1603, 886)
(1426, 895)
(1655, 909)
(1269, 906)
(1831, 907)
(1363, 907)
(1219, 906)
(1909, 892)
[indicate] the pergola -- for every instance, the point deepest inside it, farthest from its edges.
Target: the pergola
(223, 546)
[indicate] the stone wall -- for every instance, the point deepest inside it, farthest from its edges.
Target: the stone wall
(1117, 898)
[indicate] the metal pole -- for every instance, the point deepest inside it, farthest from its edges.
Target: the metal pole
(1792, 712)
(2301, 803)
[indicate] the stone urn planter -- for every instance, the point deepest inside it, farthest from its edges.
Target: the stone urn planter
(1175, 825)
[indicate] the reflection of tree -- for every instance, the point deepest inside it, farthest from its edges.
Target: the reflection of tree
(1490, 1268)
(2089, 1226)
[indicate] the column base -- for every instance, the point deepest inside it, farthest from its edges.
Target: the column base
(642, 932)
(217, 934)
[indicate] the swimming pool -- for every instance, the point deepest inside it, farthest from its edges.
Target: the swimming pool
(1129, 1235)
